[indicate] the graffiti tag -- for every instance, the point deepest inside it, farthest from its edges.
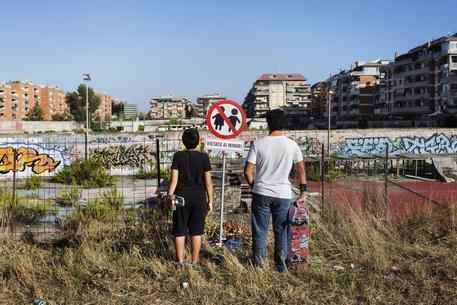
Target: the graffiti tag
(25, 157)
(134, 156)
(436, 144)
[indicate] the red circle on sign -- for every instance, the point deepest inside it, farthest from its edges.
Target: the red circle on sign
(235, 132)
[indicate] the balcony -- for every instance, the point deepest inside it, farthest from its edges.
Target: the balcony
(412, 110)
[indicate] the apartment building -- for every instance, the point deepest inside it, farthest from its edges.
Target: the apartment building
(18, 98)
(319, 99)
(205, 101)
(170, 107)
(422, 83)
(290, 92)
(104, 110)
(354, 93)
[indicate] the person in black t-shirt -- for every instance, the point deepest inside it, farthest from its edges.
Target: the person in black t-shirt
(191, 179)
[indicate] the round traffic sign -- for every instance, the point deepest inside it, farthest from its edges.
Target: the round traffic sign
(226, 119)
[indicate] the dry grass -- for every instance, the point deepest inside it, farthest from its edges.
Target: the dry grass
(412, 262)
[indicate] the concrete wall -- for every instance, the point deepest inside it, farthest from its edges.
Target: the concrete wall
(38, 126)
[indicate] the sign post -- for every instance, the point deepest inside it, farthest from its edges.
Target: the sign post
(226, 120)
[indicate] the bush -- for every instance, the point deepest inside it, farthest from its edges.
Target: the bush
(72, 196)
(33, 182)
(105, 208)
(26, 211)
(87, 173)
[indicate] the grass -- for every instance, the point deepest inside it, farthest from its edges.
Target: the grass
(23, 210)
(101, 262)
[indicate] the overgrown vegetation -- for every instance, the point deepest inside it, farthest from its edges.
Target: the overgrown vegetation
(33, 182)
(358, 257)
(70, 197)
(87, 173)
(25, 211)
(107, 207)
(150, 172)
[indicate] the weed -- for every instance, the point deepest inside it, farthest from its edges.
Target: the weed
(33, 182)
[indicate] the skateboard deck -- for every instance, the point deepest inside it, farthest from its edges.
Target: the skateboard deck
(298, 232)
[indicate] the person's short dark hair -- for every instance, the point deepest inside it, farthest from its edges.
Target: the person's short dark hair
(190, 138)
(276, 119)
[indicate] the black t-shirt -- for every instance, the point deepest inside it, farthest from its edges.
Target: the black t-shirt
(191, 166)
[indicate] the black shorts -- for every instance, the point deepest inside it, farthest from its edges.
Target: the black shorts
(190, 219)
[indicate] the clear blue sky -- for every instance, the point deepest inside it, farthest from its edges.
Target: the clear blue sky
(139, 49)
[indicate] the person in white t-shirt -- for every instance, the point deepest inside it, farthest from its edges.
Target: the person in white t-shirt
(267, 170)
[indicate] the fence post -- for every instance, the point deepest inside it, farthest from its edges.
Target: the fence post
(14, 175)
(386, 175)
(158, 163)
(322, 176)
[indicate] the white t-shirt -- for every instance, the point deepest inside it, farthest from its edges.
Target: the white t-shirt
(274, 157)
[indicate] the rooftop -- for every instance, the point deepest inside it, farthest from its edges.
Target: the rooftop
(282, 77)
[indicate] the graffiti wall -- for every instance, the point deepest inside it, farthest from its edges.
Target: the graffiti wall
(124, 154)
(25, 159)
(437, 144)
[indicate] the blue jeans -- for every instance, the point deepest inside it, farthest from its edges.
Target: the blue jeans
(262, 208)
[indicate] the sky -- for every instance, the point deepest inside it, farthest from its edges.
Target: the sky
(137, 49)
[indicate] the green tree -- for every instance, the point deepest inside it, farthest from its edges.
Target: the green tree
(77, 103)
(36, 114)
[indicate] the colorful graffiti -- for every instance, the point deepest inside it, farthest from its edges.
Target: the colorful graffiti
(26, 157)
(433, 145)
(309, 146)
(134, 156)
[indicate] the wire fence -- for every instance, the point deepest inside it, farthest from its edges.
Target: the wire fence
(37, 196)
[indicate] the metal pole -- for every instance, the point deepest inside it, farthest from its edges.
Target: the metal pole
(158, 163)
(322, 176)
(386, 175)
(221, 229)
(87, 122)
(14, 175)
(329, 102)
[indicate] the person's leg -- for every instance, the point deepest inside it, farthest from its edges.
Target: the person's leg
(197, 204)
(196, 246)
(180, 242)
(259, 221)
(280, 210)
(180, 219)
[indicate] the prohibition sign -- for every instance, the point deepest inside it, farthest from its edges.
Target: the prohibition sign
(218, 110)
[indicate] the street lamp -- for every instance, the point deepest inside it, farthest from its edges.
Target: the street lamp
(329, 103)
(87, 79)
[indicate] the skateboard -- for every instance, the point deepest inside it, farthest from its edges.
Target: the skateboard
(298, 232)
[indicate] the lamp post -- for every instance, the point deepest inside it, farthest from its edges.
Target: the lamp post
(87, 79)
(329, 104)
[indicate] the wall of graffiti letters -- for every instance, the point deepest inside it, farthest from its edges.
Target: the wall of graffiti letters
(124, 154)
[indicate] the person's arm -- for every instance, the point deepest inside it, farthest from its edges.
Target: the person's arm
(300, 170)
(301, 177)
(173, 182)
(249, 173)
(209, 190)
(250, 165)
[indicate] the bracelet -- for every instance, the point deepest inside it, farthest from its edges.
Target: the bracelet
(303, 188)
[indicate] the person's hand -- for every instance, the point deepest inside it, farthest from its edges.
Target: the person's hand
(210, 207)
(302, 196)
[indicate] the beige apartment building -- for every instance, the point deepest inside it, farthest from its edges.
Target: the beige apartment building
(170, 107)
(354, 93)
(290, 92)
(104, 111)
(422, 83)
(205, 101)
(18, 98)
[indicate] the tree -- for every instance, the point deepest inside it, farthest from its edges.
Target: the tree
(36, 114)
(76, 101)
(61, 117)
